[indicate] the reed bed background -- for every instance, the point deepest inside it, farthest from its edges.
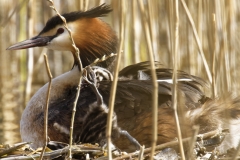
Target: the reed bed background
(23, 72)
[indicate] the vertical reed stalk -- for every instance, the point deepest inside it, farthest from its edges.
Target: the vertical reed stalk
(154, 78)
(115, 79)
(197, 40)
(174, 89)
(46, 107)
(214, 89)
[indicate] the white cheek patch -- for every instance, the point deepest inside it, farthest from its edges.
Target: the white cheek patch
(61, 43)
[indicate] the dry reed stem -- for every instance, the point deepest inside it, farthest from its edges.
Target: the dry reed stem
(141, 152)
(134, 40)
(158, 147)
(174, 90)
(46, 106)
(232, 34)
(80, 78)
(104, 58)
(9, 149)
(30, 59)
(200, 15)
(197, 40)
(81, 7)
(225, 46)
(56, 153)
(154, 78)
(19, 7)
(69, 31)
(214, 89)
(152, 28)
(100, 2)
(86, 5)
(170, 30)
(40, 60)
(115, 79)
(192, 142)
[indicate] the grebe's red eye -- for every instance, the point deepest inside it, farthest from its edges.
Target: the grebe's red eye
(60, 30)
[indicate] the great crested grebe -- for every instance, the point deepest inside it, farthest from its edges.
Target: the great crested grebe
(95, 38)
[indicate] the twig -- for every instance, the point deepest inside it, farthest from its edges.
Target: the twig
(104, 58)
(154, 79)
(211, 134)
(192, 141)
(13, 148)
(169, 144)
(174, 91)
(86, 73)
(80, 78)
(59, 152)
(69, 32)
(158, 147)
(198, 41)
(140, 156)
(115, 80)
(46, 106)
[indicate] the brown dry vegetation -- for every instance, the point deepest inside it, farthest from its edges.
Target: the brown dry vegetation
(23, 72)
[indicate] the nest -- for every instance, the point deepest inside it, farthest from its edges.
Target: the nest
(201, 147)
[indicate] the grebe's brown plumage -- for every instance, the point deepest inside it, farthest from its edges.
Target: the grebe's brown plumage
(92, 36)
(95, 38)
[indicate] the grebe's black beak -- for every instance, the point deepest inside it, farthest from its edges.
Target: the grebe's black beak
(37, 41)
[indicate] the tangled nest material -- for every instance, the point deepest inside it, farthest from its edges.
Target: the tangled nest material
(204, 148)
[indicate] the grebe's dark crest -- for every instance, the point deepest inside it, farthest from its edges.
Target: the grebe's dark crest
(92, 36)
